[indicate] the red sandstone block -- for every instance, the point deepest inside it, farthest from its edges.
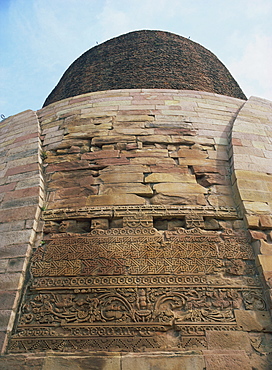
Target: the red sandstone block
(169, 169)
(257, 235)
(265, 222)
(68, 166)
(74, 192)
(8, 187)
(20, 213)
(112, 161)
(26, 137)
(67, 203)
(22, 193)
(101, 154)
(22, 169)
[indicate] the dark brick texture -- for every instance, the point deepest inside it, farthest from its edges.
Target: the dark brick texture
(146, 59)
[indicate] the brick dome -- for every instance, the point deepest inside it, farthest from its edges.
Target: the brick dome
(146, 59)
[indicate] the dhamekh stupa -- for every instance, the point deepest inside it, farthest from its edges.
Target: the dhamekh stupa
(136, 216)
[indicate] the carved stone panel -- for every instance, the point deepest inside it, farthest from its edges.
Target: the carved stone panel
(135, 287)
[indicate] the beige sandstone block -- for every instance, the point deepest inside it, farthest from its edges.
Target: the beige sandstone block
(265, 222)
(228, 340)
(177, 189)
(90, 128)
(252, 221)
(255, 196)
(114, 200)
(252, 175)
(116, 177)
(170, 177)
(153, 161)
(257, 207)
(127, 188)
(192, 153)
(102, 140)
(265, 261)
(134, 118)
(146, 152)
(249, 320)
(179, 199)
(265, 248)
(174, 361)
(128, 168)
(226, 360)
(61, 362)
(221, 201)
(193, 161)
(165, 139)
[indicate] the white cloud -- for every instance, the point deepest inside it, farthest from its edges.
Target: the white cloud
(253, 67)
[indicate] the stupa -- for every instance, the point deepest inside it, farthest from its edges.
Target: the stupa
(135, 216)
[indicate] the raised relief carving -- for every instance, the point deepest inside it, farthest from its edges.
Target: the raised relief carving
(99, 287)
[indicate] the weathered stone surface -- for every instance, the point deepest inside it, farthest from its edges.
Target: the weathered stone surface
(152, 161)
(101, 154)
(114, 199)
(252, 221)
(176, 189)
(262, 247)
(211, 224)
(5, 319)
(225, 360)
(7, 299)
(253, 320)
(84, 362)
(128, 188)
(179, 199)
(193, 361)
(122, 177)
(265, 262)
(99, 141)
(257, 235)
(9, 237)
(235, 340)
(265, 222)
(11, 281)
(170, 177)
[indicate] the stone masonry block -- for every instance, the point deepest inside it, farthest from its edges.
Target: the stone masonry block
(114, 199)
(7, 299)
(175, 361)
(257, 235)
(14, 250)
(170, 177)
(19, 237)
(94, 362)
(226, 360)
(265, 261)
(11, 281)
(253, 321)
(179, 188)
(265, 222)
(225, 340)
(4, 319)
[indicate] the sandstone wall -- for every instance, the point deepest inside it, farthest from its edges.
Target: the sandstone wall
(139, 147)
(181, 164)
(21, 198)
(252, 178)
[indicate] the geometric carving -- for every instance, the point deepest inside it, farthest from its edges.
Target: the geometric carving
(126, 288)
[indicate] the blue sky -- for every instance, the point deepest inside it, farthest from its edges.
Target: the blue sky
(40, 38)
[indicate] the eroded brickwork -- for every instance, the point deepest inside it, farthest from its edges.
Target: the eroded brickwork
(146, 59)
